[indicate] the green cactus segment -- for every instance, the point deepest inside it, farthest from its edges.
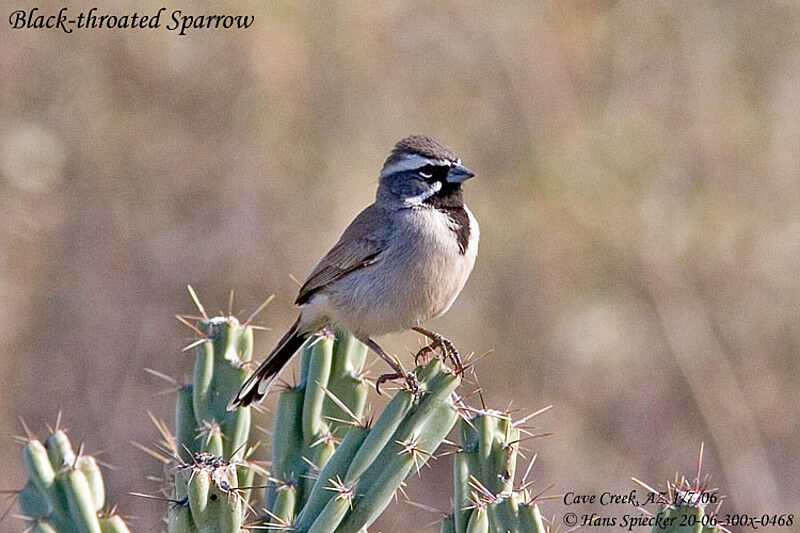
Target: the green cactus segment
(212, 437)
(346, 383)
(203, 375)
(40, 470)
(683, 519)
(185, 424)
(530, 519)
(212, 503)
(478, 521)
(224, 511)
(246, 477)
(59, 449)
(287, 441)
(502, 514)
(464, 464)
(686, 518)
(283, 509)
(79, 502)
(218, 374)
(236, 429)
(415, 435)
(335, 469)
(483, 472)
(310, 416)
(448, 525)
(113, 524)
(198, 483)
(88, 465)
(287, 437)
(333, 513)
(316, 380)
(65, 491)
(318, 442)
(212, 441)
(380, 435)
(180, 519)
(32, 503)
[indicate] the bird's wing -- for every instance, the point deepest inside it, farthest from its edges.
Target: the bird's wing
(359, 246)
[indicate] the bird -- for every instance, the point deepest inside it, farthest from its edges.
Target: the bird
(400, 263)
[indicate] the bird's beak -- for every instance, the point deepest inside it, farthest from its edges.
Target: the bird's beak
(458, 174)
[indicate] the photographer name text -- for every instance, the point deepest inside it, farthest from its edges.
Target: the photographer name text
(681, 509)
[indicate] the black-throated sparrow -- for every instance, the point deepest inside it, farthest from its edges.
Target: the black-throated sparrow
(402, 261)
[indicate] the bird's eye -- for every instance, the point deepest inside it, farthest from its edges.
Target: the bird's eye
(427, 171)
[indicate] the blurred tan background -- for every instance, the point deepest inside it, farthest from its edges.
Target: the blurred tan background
(638, 188)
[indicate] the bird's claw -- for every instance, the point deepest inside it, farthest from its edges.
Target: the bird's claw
(447, 348)
(412, 383)
(424, 353)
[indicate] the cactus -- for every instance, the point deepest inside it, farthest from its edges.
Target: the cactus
(208, 501)
(683, 505)
(208, 467)
(332, 471)
(65, 491)
(312, 416)
(318, 428)
(203, 423)
(360, 479)
(682, 511)
(485, 497)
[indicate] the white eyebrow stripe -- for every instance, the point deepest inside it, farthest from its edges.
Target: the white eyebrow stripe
(412, 162)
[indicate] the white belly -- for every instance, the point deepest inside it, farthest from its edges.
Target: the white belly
(416, 278)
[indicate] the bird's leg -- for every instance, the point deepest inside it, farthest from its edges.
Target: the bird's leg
(399, 372)
(449, 350)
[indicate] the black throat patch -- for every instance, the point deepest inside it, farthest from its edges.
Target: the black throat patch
(450, 201)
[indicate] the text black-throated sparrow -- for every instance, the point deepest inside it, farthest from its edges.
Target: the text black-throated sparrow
(401, 262)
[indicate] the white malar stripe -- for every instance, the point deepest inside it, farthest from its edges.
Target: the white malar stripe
(419, 199)
(412, 162)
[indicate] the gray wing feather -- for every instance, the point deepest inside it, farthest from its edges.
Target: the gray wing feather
(359, 246)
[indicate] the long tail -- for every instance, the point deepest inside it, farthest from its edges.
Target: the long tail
(257, 386)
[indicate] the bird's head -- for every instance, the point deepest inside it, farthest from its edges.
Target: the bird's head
(422, 170)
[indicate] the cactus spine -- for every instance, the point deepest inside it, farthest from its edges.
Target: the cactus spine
(368, 467)
(211, 442)
(332, 472)
(485, 497)
(682, 506)
(310, 419)
(682, 509)
(65, 491)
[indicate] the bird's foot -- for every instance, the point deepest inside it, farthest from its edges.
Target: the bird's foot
(424, 354)
(445, 345)
(411, 381)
